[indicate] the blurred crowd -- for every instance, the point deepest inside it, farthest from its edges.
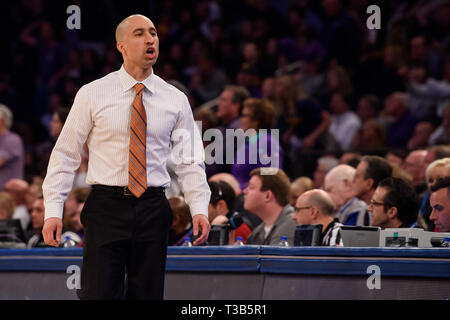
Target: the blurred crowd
(336, 90)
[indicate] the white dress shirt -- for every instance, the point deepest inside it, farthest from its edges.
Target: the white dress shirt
(100, 115)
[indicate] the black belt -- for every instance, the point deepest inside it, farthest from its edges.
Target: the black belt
(125, 191)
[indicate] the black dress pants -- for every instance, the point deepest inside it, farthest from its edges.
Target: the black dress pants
(124, 235)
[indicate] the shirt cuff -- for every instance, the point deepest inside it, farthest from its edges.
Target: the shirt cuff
(198, 209)
(53, 210)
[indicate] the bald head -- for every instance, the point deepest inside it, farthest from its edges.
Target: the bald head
(125, 24)
(321, 200)
(17, 185)
(413, 165)
(338, 183)
(228, 178)
(18, 190)
(340, 173)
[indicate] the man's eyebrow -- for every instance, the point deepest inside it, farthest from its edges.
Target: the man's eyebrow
(152, 29)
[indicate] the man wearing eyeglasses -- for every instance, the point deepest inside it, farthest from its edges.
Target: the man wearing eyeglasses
(316, 207)
(394, 204)
(440, 203)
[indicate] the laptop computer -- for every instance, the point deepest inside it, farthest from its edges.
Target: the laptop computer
(308, 235)
(357, 236)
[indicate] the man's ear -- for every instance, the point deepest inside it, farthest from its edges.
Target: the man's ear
(268, 195)
(370, 183)
(392, 213)
(314, 212)
(119, 47)
(221, 207)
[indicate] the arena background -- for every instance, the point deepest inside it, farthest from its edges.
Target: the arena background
(202, 47)
(310, 50)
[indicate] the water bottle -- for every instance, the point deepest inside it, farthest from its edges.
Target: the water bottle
(283, 242)
(239, 241)
(69, 243)
(187, 242)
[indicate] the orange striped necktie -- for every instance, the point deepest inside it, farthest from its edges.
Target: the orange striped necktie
(137, 164)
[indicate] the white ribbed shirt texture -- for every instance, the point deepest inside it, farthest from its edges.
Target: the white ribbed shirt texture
(100, 116)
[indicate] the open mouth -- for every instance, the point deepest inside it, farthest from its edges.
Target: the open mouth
(150, 51)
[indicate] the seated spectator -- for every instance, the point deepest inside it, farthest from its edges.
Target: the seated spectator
(371, 137)
(368, 107)
(249, 77)
(299, 186)
(435, 153)
(442, 133)
(317, 207)
(34, 192)
(426, 93)
(208, 81)
(395, 157)
(302, 122)
(208, 120)
(421, 135)
(344, 122)
(44, 149)
(74, 228)
(254, 152)
(220, 211)
(350, 158)
(413, 164)
(401, 121)
(77, 196)
(229, 107)
(369, 172)
(422, 52)
(440, 202)
(394, 204)
(398, 172)
(251, 219)
(349, 210)
(11, 149)
(338, 80)
(438, 169)
(267, 195)
(181, 227)
(35, 238)
(6, 206)
(324, 165)
(18, 190)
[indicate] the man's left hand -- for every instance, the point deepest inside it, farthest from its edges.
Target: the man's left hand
(200, 223)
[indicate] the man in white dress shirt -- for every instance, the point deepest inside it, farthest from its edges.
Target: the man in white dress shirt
(126, 231)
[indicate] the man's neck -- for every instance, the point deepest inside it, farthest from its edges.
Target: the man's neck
(366, 197)
(324, 221)
(138, 73)
(395, 223)
(3, 130)
(271, 214)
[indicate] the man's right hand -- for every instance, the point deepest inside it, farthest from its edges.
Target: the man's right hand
(52, 226)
